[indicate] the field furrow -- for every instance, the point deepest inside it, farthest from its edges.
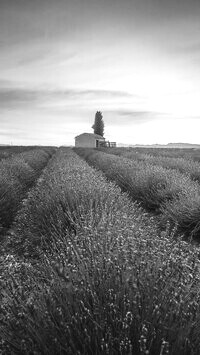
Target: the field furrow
(185, 153)
(91, 275)
(167, 192)
(9, 151)
(184, 165)
(70, 193)
(17, 175)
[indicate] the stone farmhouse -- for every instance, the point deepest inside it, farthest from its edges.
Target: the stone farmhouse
(92, 140)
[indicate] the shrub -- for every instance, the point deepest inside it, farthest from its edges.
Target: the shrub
(158, 189)
(36, 158)
(17, 175)
(185, 166)
(184, 212)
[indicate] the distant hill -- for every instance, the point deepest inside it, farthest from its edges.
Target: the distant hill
(169, 145)
(183, 145)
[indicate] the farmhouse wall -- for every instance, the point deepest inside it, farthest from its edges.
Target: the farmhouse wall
(85, 141)
(88, 140)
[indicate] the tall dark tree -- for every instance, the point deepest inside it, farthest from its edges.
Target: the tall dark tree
(98, 125)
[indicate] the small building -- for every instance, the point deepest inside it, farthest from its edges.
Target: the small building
(89, 140)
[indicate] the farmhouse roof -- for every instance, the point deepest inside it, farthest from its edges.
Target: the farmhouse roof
(91, 134)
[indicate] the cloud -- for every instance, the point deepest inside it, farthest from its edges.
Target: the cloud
(21, 97)
(12, 98)
(94, 94)
(13, 131)
(188, 47)
(130, 116)
(46, 54)
(33, 57)
(5, 83)
(13, 134)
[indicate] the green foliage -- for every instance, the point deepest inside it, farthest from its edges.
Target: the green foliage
(98, 125)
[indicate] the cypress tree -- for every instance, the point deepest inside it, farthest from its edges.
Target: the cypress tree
(98, 125)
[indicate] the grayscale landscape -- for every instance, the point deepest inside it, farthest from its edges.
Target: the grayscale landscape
(99, 177)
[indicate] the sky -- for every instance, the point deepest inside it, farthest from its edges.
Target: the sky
(136, 61)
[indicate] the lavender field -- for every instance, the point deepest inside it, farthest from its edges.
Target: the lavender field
(99, 252)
